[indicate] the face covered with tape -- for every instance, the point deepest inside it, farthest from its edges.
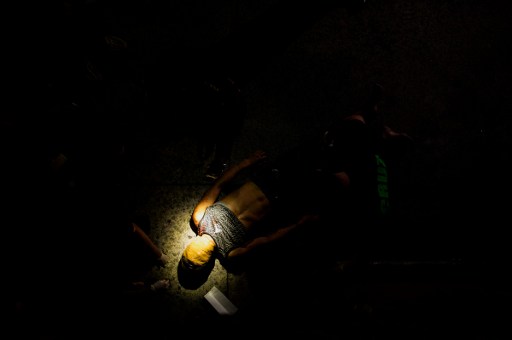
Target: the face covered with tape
(198, 253)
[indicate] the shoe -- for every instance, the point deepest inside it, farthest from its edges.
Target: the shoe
(115, 43)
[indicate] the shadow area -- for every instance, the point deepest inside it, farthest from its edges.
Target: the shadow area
(194, 278)
(310, 284)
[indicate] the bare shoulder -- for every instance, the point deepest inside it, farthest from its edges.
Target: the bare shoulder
(357, 117)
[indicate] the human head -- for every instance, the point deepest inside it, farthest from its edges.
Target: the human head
(198, 253)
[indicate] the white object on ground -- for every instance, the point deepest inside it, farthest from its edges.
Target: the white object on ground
(220, 302)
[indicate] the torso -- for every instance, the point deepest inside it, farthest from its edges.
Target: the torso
(248, 203)
(356, 162)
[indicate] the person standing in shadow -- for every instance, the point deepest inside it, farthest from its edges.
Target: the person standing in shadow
(358, 151)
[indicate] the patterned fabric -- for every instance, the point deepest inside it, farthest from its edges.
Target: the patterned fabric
(224, 227)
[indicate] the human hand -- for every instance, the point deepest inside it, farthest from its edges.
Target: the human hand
(308, 218)
(256, 156)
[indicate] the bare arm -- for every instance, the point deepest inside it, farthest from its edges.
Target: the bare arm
(272, 237)
(148, 242)
(211, 195)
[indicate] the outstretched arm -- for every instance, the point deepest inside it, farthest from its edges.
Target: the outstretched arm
(272, 237)
(211, 195)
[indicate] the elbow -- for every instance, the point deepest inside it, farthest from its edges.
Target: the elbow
(195, 220)
(193, 225)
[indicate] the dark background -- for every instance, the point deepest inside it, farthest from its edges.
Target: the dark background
(445, 67)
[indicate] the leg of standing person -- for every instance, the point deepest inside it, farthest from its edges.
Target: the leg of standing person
(159, 256)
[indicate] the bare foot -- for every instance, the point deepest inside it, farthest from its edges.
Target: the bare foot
(163, 260)
(161, 284)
